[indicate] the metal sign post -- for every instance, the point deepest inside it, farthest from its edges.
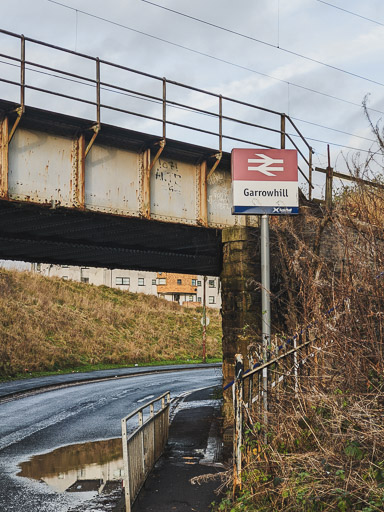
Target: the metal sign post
(265, 305)
(204, 320)
(265, 182)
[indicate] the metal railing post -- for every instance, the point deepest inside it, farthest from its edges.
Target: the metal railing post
(250, 393)
(282, 131)
(220, 123)
(238, 417)
(164, 107)
(310, 174)
(22, 74)
(98, 108)
(126, 465)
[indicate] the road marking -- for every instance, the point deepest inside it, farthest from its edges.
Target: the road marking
(145, 398)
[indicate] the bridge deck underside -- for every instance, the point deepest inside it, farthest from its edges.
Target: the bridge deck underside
(64, 236)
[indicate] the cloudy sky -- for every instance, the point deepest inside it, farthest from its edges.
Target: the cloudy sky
(307, 58)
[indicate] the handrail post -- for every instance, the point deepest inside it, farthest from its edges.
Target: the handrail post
(310, 174)
(250, 393)
(238, 430)
(329, 184)
(22, 75)
(98, 108)
(164, 107)
(220, 123)
(282, 131)
(126, 466)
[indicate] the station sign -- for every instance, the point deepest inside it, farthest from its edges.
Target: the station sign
(265, 181)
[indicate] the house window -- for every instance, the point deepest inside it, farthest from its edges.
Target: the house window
(141, 281)
(211, 283)
(198, 283)
(162, 280)
(198, 299)
(85, 279)
(211, 300)
(179, 281)
(122, 281)
(193, 282)
(154, 282)
(191, 298)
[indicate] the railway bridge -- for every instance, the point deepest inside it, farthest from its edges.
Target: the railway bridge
(125, 194)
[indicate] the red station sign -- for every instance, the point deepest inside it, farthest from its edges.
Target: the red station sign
(265, 181)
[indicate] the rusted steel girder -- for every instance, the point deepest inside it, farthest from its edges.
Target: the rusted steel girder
(4, 148)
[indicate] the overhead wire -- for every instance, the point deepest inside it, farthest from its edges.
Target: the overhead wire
(350, 12)
(176, 44)
(224, 61)
(261, 41)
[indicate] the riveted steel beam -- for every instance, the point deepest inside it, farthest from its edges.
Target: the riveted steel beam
(4, 150)
(145, 182)
(202, 219)
(78, 173)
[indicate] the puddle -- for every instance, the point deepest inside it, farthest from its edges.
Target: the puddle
(88, 467)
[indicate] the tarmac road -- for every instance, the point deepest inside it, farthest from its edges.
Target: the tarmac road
(41, 423)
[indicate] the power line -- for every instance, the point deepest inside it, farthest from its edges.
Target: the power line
(254, 39)
(352, 13)
(333, 129)
(224, 61)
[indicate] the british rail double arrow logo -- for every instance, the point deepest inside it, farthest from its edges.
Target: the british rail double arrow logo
(267, 164)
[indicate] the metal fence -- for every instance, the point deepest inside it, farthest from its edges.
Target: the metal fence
(143, 447)
(255, 390)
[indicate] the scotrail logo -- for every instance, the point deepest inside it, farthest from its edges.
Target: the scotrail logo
(282, 210)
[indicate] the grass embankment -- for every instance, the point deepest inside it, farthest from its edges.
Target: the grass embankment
(47, 324)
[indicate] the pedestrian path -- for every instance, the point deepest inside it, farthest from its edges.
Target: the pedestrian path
(193, 450)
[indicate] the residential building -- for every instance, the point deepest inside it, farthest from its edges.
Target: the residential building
(186, 289)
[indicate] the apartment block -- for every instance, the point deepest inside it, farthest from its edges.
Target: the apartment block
(186, 289)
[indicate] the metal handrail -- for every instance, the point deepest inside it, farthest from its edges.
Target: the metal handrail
(99, 85)
(147, 404)
(143, 447)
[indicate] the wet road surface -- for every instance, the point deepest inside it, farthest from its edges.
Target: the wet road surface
(39, 424)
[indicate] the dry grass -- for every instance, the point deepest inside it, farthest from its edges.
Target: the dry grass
(325, 449)
(50, 324)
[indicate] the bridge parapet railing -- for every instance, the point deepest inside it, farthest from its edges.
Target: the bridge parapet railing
(101, 85)
(143, 447)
